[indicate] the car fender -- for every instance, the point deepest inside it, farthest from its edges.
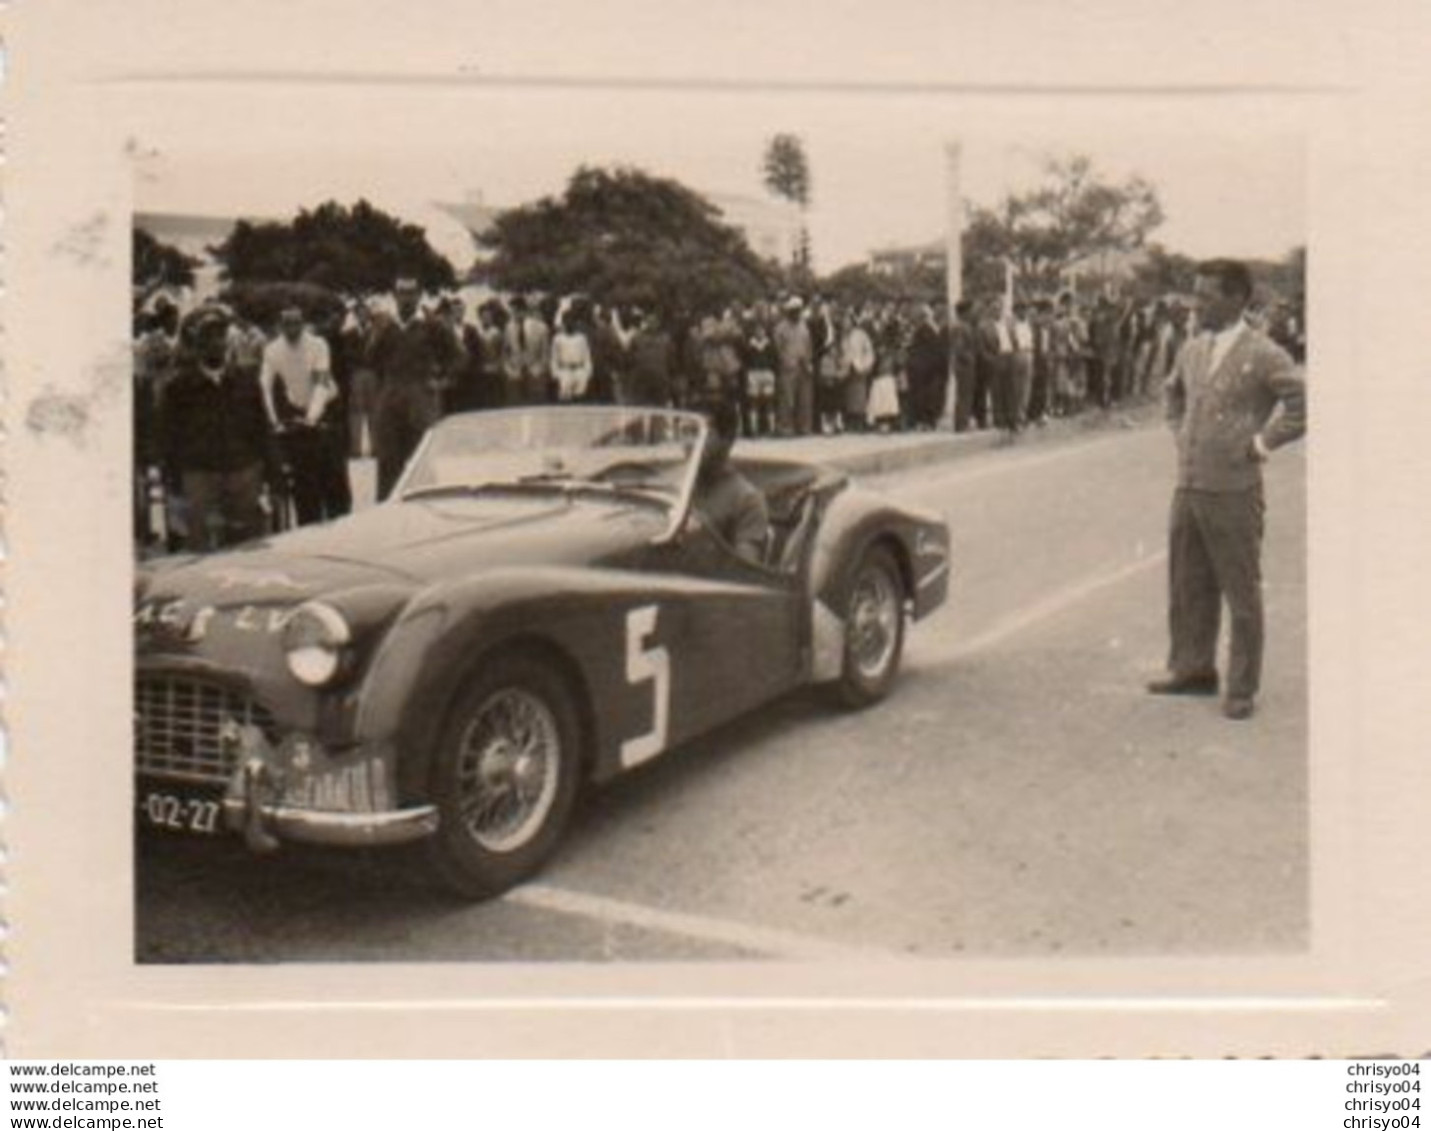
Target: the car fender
(579, 617)
(856, 520)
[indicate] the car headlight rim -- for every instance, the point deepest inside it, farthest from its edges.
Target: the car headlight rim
(316, 643)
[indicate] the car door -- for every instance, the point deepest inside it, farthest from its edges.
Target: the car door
(735, 641)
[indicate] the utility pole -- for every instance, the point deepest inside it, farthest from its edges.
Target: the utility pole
(953, 261)
(954, 223)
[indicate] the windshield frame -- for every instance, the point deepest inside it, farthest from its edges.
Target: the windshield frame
(679, 508)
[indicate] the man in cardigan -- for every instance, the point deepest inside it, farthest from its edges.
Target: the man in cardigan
(1222, 400)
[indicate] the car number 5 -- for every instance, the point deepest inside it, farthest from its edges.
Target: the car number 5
(644, 665)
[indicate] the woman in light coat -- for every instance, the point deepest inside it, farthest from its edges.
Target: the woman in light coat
(859, 357)
(571, 366)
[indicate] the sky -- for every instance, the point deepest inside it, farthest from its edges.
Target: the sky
(1230, 183)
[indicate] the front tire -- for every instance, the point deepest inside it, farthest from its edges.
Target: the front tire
(874, 630)
(505, 777)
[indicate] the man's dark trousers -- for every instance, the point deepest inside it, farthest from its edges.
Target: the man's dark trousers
(404, 413)
(318, 459)
(223, 507)
(1214, 552)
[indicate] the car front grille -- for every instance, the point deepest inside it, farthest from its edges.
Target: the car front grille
(180, 724)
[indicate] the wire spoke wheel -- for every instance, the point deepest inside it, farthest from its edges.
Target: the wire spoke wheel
(874, 629)
(874, 623)
(505, 777)
(507, 769)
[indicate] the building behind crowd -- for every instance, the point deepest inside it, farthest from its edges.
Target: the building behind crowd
(771, 227)
(894, 262)
(194, 235)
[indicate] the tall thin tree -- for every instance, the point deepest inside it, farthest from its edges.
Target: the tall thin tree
(787, 174)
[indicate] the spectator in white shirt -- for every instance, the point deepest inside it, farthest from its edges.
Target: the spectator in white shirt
(298, 392)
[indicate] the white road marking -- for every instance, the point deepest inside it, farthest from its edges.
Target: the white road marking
(1052, 605)
(763, 940)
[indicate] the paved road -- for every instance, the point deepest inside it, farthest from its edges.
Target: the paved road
(1018, 795)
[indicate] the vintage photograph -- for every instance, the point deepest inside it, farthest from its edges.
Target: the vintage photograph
(653, 528)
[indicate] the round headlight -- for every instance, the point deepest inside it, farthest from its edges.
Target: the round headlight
(314, 641)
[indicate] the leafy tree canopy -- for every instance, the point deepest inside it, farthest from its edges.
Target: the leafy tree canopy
(1283, 280)
(787, 170)
(859, 285)
(262, 303)
(155, 264)
(625, 237)
(1163, 272)
(357, 250)
(1075, 215)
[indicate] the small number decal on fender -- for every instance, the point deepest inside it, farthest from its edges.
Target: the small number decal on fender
(642, 665)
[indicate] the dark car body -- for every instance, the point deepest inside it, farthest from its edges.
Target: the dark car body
(656, 630)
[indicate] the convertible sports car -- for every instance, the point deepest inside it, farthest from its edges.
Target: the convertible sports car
(539, 604)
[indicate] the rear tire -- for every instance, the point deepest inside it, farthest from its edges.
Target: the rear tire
(874, 630)
(505, 777)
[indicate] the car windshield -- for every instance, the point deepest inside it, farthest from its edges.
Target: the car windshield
(646, 452)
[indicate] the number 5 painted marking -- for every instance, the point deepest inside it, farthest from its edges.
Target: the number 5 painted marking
(644, 664)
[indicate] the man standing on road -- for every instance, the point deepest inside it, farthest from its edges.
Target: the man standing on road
(997, 356)
(795, 354)
(652, 359)
(412, 357)
(527, 356)
(353, 345)
(1222, 397)
(928, 367)
(1022, 365)
(964, 345)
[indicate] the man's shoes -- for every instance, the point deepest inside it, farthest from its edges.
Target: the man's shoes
(1237, 707)
(1204, 684)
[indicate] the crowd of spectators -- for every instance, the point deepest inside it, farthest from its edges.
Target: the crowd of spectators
(241, 427)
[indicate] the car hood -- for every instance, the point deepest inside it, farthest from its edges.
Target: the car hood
(417, 542)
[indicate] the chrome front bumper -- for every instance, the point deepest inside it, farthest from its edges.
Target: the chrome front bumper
(263, 826)
(256, 807)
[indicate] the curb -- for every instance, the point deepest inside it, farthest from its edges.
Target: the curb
(902, 453)
(927, 451)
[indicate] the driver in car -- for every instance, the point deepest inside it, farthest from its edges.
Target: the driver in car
(727, 502)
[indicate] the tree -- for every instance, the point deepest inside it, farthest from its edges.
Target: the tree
(262, 303)
(357, 250)
(859, 285)
(1284, 280)
(625, 237)
(787, 174)
(986, 244)
(1071, 220)
(1163, 272)
(155, 264)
